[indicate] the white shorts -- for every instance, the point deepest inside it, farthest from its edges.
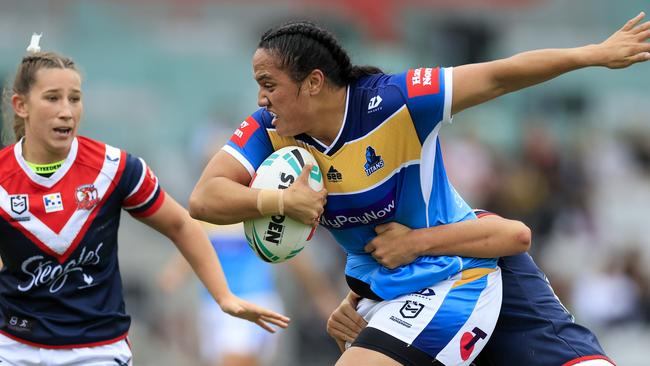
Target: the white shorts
(449, 322)
(13, 353)
(222, 334)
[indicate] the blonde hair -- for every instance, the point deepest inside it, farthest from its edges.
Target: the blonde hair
(25, 80)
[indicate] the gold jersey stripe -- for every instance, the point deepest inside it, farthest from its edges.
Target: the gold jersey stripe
(472, 274)
(349, 160)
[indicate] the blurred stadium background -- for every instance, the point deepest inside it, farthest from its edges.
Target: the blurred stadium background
(571, 158)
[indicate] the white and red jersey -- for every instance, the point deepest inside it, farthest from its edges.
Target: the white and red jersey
(60, 286)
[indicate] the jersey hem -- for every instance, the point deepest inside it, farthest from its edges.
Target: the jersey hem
(576, 361)
(64, 346)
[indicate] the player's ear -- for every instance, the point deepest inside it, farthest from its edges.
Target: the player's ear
(315, 81)
(20, 106)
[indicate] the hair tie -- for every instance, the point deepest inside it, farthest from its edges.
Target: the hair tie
(34, 43)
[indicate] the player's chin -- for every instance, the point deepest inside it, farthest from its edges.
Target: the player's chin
(286, 131)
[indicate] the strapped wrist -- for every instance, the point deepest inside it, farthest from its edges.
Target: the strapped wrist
(270, 202)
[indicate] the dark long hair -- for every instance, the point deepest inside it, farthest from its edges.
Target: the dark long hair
(303, 46)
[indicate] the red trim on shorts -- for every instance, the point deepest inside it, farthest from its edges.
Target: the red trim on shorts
(67, 346)
(587, 358)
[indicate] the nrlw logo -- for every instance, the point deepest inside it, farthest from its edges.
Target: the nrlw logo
(411, 309)
(19, 203)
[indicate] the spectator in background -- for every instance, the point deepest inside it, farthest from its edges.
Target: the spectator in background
(223, 342)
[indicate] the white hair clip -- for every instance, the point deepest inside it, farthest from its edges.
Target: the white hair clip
(34, 43)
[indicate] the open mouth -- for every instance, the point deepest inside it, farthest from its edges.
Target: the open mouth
(275, 118)
(63, 131)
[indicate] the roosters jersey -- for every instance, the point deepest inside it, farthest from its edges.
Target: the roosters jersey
(60, 286)
(385, 165)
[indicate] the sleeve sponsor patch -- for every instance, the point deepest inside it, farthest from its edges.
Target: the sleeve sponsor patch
(244, 132)
(423, 81)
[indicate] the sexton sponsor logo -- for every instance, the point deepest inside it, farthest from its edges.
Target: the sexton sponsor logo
(275, 228)
(364, 218)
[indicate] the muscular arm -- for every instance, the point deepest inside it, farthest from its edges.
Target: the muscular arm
(489, 237)
(222, 196)
(477, 83)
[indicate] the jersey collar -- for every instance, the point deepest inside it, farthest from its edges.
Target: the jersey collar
(331, 149)
(50, 181)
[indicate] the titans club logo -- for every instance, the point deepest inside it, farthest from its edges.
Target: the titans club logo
(374, 162)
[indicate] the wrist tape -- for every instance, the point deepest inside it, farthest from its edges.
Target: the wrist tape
(270, 202)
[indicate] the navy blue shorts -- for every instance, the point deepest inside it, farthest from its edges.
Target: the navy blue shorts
(534, 328)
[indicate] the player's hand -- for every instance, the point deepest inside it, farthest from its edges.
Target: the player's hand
(627, 46)
(240, 308)
(345, 323)
(391, 246)
(303, 203)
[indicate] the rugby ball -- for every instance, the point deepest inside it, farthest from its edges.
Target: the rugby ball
(278, 238)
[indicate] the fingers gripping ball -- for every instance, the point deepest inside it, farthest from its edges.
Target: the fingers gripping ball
(278, 238)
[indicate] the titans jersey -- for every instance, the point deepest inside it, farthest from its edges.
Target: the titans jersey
(385, 165)
(247, 275)
(60, 286)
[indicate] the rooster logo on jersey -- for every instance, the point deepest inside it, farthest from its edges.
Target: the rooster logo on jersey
(87, 197)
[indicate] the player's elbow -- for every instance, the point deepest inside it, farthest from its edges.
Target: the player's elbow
(197, 206)
(522, 237)
(200, 209)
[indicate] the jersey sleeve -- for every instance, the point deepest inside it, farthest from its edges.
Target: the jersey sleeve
(143, 194)
(250, 143)
(483, 213)
(428, 93)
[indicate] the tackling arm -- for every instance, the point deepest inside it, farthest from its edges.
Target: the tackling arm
(489, 237)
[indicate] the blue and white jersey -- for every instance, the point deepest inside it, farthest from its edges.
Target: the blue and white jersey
(385, 165)
(60, 286)
(247, 275)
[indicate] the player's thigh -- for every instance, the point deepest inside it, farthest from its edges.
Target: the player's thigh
(447, 323)
(357, 356)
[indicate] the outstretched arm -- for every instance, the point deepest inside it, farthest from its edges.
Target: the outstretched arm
(477, 83)
(173, 221)
(489, 237)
